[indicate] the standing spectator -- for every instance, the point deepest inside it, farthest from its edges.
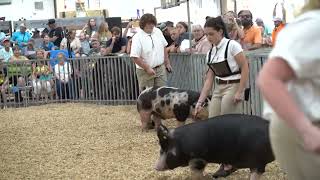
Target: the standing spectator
(233, 26)
(166, 29)
(103, 35)
(252, 34)
(289, 82)
(200, 43)
(62, 72)
(74, 43)
(116, 44)
(85, 45)
(228, 67)
(172, 48)
(182, 29)
(55, 33)
(129, 44)
(148, 52)
(90, 28)
(6, 53)
(21, 37)
(278, 26)
(265, 32)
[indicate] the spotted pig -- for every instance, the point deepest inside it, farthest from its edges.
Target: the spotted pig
(168, 102)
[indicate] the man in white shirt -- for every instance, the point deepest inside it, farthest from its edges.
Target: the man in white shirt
(148, 52)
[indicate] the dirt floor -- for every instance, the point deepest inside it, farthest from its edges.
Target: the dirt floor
(77, 141)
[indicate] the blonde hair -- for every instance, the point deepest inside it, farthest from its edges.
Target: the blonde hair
(311, 5)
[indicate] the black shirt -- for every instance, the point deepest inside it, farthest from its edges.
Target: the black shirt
(117, 45)
(55, 32)
(168, 39)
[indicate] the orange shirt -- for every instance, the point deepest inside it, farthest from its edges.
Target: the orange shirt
(275, 33)
(252, 35)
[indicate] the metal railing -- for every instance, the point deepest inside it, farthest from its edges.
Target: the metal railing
(105, 80)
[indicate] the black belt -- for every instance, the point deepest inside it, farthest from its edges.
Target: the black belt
(156, 67)
(220, 81)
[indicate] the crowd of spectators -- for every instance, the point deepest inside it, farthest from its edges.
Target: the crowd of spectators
(96, 40)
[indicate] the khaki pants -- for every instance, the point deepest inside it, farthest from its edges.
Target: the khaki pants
(145, 80)
(288, 149)
(222, 100)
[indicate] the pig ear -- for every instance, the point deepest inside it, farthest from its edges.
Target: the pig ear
(163, 133)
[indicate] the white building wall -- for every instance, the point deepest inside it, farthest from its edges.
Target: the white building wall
(26, 9)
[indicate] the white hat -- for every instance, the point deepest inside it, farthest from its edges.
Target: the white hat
(22, 25)
(277, 19)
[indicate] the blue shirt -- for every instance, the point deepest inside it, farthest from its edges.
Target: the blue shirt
(48, 47)
(21, 37)
(6, 55)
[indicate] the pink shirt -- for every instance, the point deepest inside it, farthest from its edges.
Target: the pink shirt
(202, 46)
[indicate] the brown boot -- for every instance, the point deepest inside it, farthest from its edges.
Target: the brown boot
(223, 173)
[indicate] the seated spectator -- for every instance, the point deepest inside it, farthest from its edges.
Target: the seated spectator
(252, 34)
(103, 34)
(17, 54)
(29, 51)
(90, 28)
(62, 73)
(95, 48)
(4, 84)
(75, 43)
(47, 45)
(200, 43)
(85, 45)
(172, 48)
(21, 37)
(116, 44)
(6, 53)
(36, 34)
(233, 26)
(42, 76)
(55, 33)
(182, 28)
(18, 72)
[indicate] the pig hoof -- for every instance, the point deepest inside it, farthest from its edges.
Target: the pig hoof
(223, 173)
(150, 125)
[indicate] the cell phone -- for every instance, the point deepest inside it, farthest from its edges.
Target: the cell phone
(168, 70)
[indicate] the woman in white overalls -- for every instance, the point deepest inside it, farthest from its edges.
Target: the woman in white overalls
(228, 67)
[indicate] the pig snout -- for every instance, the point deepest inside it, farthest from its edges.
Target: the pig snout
(161, 164)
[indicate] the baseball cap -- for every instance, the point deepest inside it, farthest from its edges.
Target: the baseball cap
(162, 26)
(4, 40)
(51, 21)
